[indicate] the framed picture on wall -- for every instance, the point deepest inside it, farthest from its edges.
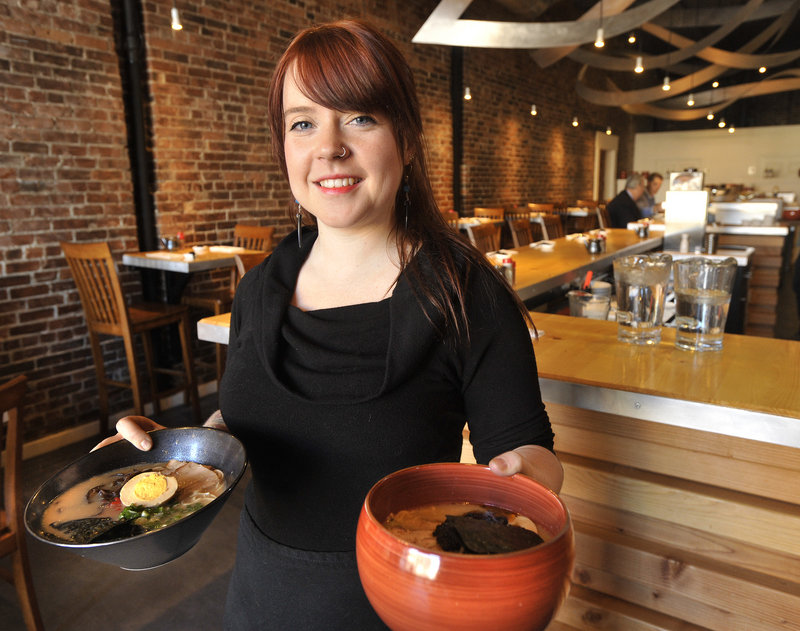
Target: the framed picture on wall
(686, 181)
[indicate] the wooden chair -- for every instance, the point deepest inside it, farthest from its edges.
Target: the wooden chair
(485, 237)
(552, 228)
(603, 218)
(247, 261)
(219, 301)
(451, 217)
(522, 231)
(496, 214)
(12, 526)
(107, 313)
(253, 237)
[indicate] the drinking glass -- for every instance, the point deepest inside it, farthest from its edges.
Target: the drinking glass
(641, 285)
(703, 289)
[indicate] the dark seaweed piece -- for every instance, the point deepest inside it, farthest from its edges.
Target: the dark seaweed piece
(483, 533)
(122, 530)
(85, 530)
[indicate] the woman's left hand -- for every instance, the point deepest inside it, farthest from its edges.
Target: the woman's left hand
(532, 460)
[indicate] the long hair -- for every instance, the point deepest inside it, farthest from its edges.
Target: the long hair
(347, 66)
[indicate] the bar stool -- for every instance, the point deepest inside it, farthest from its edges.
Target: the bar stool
(106, 312)
(12, 527)
(219, 301)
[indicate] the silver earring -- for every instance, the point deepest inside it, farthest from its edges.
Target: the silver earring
(299, 222)
(344, 152)
(407, 200)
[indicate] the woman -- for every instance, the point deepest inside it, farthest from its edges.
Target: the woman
(364, 343)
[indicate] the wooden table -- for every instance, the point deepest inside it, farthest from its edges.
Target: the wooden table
(681, 475)
(539, 271)
(184, 261)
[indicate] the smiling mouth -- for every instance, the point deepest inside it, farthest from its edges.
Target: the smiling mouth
(339, 182)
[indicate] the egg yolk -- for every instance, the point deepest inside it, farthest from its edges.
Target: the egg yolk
(150, 486)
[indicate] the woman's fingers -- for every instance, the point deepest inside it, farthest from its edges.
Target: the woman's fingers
(133, 429)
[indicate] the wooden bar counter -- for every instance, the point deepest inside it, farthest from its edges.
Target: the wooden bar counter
(682, 476)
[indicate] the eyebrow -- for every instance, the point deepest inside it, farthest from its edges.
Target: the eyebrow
(300, 109)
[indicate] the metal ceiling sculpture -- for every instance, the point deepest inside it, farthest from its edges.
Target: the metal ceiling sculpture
(552, 41)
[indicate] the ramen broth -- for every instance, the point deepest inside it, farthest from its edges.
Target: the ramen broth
(97, 500)
(417, 525)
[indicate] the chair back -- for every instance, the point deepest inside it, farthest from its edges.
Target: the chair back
(253, 237)
(496, 214)
(485, 237)
(12, 520)
(603, 218)
(246, 262)
(451, 217)
(552, 226)
(12, 395)
(542, 208)
(95, 274)
(521, 233)
(587, 203)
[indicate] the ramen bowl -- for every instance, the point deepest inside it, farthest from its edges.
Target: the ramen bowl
(203, 445)
(417, 589)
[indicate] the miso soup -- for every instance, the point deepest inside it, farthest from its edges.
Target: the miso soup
(465, 527)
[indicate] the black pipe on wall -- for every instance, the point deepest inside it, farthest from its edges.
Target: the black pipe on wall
(457, 109)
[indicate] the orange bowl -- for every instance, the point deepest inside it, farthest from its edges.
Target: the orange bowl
(416, 589)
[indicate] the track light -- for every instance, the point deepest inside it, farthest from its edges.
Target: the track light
(467, 94)
(638, 68)
(690, 100)
(176, 19)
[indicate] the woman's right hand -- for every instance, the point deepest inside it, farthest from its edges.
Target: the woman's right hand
(133, 429)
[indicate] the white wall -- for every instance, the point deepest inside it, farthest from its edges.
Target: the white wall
(739, 158)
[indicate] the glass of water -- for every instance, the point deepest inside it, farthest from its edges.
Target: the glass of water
(702, 296)
(641, 285)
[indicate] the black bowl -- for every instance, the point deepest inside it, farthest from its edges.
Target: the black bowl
(197, 444)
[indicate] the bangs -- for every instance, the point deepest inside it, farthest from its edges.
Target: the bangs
(341, 74)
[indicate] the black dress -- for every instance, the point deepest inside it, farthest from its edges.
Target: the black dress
(328, 402)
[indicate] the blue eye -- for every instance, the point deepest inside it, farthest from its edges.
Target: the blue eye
(300, 125)
(363, 119)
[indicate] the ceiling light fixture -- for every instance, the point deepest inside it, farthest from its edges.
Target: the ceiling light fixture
(762, 69)
(632, 38)
(710, 115)
(638, 68)
(534, 111)
(721, 123)
(574, 121)
(608, 130)
(731, 129)
(176, 19)
(467, 94)
(690, 100)
(666, 86)
(599, 42)
(715, 84)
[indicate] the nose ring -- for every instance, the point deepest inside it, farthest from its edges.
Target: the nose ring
(343, 154)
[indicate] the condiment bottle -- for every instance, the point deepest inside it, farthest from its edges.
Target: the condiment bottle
(684, 242)
(509, 269)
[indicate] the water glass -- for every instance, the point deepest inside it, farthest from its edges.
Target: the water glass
(585, 305)
(641, 285)
(703, 289)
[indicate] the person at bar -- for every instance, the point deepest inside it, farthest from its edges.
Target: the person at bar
(623, 208)
(364, 343)
(647, 202)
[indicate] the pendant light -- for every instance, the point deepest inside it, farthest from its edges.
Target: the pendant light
(666, 86)
(710, 115)
(574, 121)
(599, 41)
(467, 94)
(690, 100)
(608, 130)
(534, 111)
(175, 19)
(638, 68)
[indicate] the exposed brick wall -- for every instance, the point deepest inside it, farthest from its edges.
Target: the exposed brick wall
(66, 171)
(65, 177)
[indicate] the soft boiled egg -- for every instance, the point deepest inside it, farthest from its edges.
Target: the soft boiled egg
(148, 489)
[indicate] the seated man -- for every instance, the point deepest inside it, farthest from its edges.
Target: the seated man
(623, 209)
(647, 202)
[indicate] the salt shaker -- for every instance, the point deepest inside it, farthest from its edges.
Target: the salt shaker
(684, 242)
